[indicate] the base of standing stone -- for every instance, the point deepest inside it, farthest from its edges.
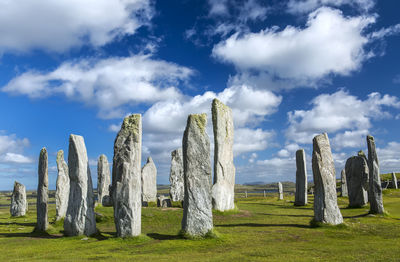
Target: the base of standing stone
(211, 234)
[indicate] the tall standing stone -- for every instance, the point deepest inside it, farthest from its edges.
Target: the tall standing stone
(223, 190)
(357, 181)
(280, 191)
(103, 178)
(301, 179)
(42, 192)
(62, 186)
(149, 181)
(19, 205)
(375, 188)
(394, 181)
(127, 177)
(343, 184)
(326, 209)
(176, 190)
(80, 219)
(197, 205)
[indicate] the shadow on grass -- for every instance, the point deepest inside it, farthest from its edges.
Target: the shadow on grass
(283, 215)
(357, 216)
(263, 225)
(163, 236)
(18, 224)
(44, 235)
(277, 205)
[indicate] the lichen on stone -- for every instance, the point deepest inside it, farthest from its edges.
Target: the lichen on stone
(361, 153)
(201, 121)
(369, 137)
(60, 155)
(131, 123)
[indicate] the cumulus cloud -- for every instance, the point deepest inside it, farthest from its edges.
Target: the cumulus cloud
(389, 158)
(305, 6)
(218, 7)
(330, 113)
(330, 43)
(60, 25)
(11, 149)
(108, 83)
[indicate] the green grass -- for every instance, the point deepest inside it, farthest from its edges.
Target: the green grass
(261, 229)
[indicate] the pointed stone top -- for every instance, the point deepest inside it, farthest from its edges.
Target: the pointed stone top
(177, 151)
(149, 159)
(361, 153)
(16, 183)
(43, 151)
(200, 119)
(60, 155)
(102, 157)
(131, 123)
(369, 137)
(218, 104)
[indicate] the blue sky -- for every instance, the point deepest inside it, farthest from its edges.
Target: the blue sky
(288, 69)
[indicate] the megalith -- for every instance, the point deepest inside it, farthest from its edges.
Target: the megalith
(394, 181)
(375, 188)
(176, 190)
(357, 181)
(19, 205)
(62, 186)
(326, 209)
(197, 205)
(149, 181)
(343, 184)
(42, 192)
(127, 177)
(301, 179)
(103, 179)
(280, 191)
(80, 218)
(223, 193)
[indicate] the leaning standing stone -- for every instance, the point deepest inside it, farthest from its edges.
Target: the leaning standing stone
(375, 188)
(197, 207)
(326, 209)
(343, 184)
(301, 179)
(80, 218)
(394, 181)
(149, 181)
(357, 181)
(19, 206)
(280, 191)
(103, 179)
(127, 177)
(42, 192)
(224, 170)
(62, 186)
(176, 190)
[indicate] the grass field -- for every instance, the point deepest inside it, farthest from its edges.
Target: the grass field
(264, 229)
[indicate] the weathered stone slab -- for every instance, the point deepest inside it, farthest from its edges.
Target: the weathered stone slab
(176, 190)
(326, 209)
(197, 205)
(224, 170)
(42, 192)
(280, 191)
(394, 181)
(301, 179)
(163, 201)
(149, 181)
(62, 186)
(375, 189)
(127, 177)
(357, 181)
(103, 180)
(343, 184)
(19, 205)
(80, 218)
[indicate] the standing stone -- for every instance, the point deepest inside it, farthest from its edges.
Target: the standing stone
(149, 181)
(176, 190)
(62, 186)
(264, 194)
(127, 177)
(19, 206)
(301, 179)
(394, 181)
(223, 190)
(343, 184)
(163, 201)
(245, 194)
(80, 218)
(280, 191)
(103, 179)
(357, 181)
(42, 192)
(197, 205)
(375, 188)
(326, 209)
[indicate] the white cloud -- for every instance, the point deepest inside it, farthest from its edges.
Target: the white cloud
(329, 44)
(250, 140)
(218, 7)
(108, 83)
(389, 157)
(11, 149)
(60, 25)
(305, 6)
(330, 113)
